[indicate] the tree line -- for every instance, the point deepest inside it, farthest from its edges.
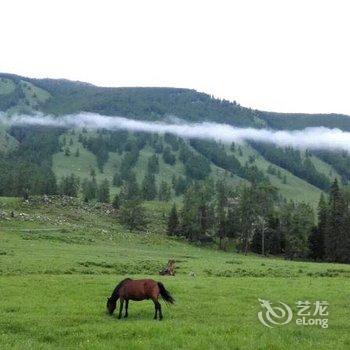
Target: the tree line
(255, 218)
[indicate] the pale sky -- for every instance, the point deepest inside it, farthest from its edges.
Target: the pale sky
(279, 55)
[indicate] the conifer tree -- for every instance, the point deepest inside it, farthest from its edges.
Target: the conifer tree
(117, 179)
(67, 151)
(69, 185)
(168, 156)
(116, 202)
(103, 192)
(173, 221)
(164, 192)
(130, 188)
(221, 198)
(336, 232)
(89, 189)
(133, 215)
(148, 187)
(93, 173)
(153, 164)
(317, 236)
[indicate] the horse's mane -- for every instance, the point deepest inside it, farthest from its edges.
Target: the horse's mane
(115, 294)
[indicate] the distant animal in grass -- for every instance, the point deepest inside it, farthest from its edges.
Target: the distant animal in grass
(169, 269)
(138, 290)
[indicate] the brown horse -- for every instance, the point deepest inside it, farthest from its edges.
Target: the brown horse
(137, 290)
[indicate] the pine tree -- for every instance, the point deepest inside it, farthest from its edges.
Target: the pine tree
(190, 222)
(284, 179)
(336, 236)
(93, 173)
(132, 215)
(180, 185)
(77, 153)
(69, 185)
(168, 156)
(221, 198)
(130, 189)
(148, 187)
(315, 243)
(296, 224)
(158, 145)
(116, 202)
(67, 151)
(173, 222)
(317, 236)
(153, 164)
(197, 215)
(117, 179)
(103, 192)
(164, 192)
(89, 189)
(248, 216)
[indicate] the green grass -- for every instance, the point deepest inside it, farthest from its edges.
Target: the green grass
(59, 261)
(33, 97)
(7, 142)
(325, 168)
(33, 94)
(295, 188)
(80, 166)
(6, 86)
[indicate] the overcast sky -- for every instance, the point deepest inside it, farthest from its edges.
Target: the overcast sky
(280, 55)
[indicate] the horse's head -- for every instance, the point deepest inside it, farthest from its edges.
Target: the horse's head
(111, 305)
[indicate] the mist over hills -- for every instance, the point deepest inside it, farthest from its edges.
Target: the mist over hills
(299, 173)
(60, 96)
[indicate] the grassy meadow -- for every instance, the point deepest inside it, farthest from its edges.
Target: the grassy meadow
(60, 259)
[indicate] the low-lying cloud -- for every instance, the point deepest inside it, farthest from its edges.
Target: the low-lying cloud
(309, 138)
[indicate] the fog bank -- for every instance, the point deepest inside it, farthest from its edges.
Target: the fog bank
(309, 138)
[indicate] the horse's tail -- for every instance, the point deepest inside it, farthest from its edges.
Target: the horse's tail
(166, 296)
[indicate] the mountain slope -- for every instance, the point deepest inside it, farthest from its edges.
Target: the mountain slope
(58, 97)
(294, 188)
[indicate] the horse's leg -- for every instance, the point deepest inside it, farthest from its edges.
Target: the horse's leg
(126, 307)
(160, 311)
(158, 308)
(155, 309)
(121, 308)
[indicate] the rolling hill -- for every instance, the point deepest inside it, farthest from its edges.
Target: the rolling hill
(302, 182)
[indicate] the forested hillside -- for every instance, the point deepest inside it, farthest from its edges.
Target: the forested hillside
(220, 191)
(313, 171)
